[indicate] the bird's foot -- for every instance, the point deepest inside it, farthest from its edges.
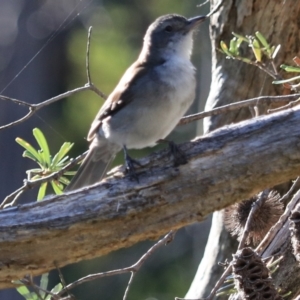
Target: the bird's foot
(178, 155)
(130, 164)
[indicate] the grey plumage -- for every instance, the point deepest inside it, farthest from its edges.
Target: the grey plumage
(148, 102)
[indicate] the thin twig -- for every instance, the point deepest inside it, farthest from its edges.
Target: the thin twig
(16, 101)
(202, 4)
(14, 195)
(294, 187)
(87, 59)
(27, 281)
(236, 105)
(289, 105)
(87, 64)
(33, 108)
(24, 118)
(216, 8)
(63, 282)
(134, 268)
(29, 184)
(128, 285)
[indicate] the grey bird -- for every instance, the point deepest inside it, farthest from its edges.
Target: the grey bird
(148, 102)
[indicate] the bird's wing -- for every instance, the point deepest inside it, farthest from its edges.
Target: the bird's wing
(120, 97)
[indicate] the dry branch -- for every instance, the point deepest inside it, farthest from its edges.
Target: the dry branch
(225, 166)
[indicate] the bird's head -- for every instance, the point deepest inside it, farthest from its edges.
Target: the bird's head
(170, 35)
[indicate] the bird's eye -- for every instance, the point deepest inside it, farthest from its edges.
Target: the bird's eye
(169, 28)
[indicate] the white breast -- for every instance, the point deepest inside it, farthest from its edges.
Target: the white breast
(157, 109)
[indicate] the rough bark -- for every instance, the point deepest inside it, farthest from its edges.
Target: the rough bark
(225, 166)
(232, 81)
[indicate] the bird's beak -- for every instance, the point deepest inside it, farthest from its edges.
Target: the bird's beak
(194, 22)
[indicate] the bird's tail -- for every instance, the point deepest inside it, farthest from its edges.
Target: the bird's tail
(94, 166)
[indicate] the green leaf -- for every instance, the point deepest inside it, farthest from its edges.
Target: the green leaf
(225, 48)
(41, 140)
(243, 38)
(29, 155)
(42, 191)
(29, 148)
(64, 149)
(290, 68)
(245, 59)
(264, 42)
(57, 288)
(23, 290)
(64, 180)
(35, 177)
(233, 46)
(70, 173)
(239, 42)
(57, 188)
(62, 162)
(256, 49)
(44, 283)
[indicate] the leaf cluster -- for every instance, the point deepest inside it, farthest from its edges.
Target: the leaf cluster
(47, 164)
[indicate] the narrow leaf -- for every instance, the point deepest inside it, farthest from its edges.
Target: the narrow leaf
(57, 288)
(64, 180)
(264, 42)
(29, 148)
(42, 191)
(256, 49)
(243, 38)
(238, 44)
(70, 173)
(57, 189)
(290, 68)
(41, 140)
(44, 281)
(23, 290)
(233, 46)
(64, 149)
(225, 48)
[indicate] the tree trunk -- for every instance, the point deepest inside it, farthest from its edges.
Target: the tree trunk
(233, 81)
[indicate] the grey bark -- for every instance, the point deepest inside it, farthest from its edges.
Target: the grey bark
(225, 166)
(233, 81)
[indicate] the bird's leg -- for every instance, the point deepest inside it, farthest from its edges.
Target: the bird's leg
(130, 162)
(178, 155)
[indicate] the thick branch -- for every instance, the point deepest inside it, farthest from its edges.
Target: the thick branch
(225, 166)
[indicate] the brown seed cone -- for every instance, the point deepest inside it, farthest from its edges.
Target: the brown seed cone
(295, 231)
(251, 276)
(263, 219)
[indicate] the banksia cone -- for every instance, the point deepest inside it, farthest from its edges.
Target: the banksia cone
(251, 276)
(295, 231)
(263, 219)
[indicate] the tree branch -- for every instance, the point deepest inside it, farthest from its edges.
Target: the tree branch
(225, 166)
(33, 108)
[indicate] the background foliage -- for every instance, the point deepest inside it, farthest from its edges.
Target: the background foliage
(118, 28)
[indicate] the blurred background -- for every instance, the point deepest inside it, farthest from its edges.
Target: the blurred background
(42, 54)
